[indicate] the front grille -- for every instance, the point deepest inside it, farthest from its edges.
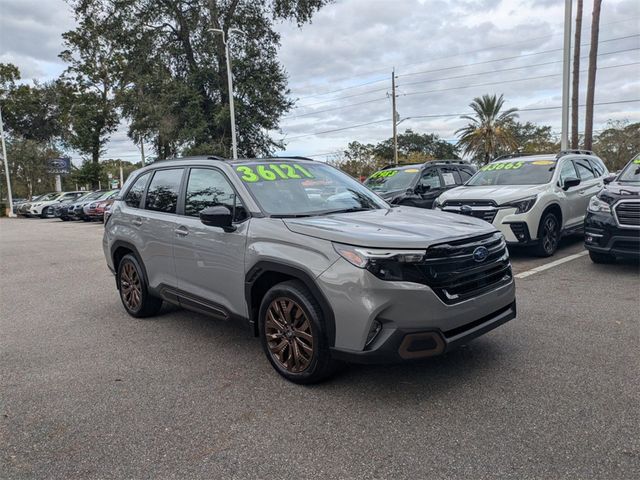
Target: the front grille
(471, 203)
(454, 275)
(628, 213)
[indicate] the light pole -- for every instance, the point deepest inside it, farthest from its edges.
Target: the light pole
(566, 74)
(6, 167)
(225, 40)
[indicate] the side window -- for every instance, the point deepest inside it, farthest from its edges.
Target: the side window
(162, 194)
(450, 176)
(598, 166)
(585, 169)
(134, 195)
(210, 188)
(430, 178)
(465, 175)
(567, 171)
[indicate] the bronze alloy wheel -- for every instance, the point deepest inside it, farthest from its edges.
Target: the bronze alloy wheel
(289, 335)
(130, 287)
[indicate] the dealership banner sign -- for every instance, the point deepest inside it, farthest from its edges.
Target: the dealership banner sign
(59, 166)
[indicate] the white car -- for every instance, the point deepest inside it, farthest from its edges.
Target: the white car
(43, 207)
(533, 200)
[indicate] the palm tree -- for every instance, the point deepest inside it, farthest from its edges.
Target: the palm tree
(575, 89)
(489, 130)
(591, 75)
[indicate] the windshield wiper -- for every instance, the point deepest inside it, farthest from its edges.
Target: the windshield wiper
(346, 210)
(292, 215)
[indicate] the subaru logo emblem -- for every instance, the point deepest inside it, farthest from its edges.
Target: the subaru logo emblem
(466, 210)
(480, 254)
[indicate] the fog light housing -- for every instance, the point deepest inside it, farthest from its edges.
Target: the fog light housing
(376, 328)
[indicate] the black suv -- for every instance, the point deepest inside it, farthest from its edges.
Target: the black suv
(612, 224)
(418, 185)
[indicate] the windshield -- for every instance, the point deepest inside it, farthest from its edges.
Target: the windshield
(631, 172)
(520, 172)
(392, 179)
(48, 197)
(303, 189)
(108, 195)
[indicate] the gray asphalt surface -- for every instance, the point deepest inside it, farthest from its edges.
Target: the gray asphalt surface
(88, 392)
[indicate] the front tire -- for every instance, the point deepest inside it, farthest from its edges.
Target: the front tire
(44, 213)
(293, 335)
(134, 291)
(548, 235)
(597, 257)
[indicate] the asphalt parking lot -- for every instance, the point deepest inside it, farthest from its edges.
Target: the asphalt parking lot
(88, 392)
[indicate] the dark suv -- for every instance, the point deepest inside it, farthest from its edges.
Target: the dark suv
(612, 224)
(418, 185)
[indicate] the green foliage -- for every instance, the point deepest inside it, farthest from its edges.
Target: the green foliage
(489, 131)
(532, 138)
(618, 143)
(28, 167)
(168, 69)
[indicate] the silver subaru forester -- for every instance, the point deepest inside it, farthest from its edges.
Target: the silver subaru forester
(321, 268)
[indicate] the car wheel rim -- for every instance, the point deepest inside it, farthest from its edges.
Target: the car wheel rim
(550, 239)
(289, 335)
(130, 287)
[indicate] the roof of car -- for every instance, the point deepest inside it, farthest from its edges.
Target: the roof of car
(238, 160)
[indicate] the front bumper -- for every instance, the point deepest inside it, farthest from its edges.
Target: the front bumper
(603, 235)
(413, 344)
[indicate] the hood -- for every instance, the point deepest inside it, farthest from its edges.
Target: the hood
(621, 190)
(402, 227)
(498, 193)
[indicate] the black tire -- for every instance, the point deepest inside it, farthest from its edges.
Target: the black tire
(548, 235)
(130, 273)
(597, 257)
(64, 219)
(321, 365)
(44, 213)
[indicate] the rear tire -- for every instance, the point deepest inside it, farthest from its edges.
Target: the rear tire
(548, 235)
(134, 290)
(293, 334)
(604, 258)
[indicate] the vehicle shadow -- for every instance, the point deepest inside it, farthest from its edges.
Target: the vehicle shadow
(569, 243)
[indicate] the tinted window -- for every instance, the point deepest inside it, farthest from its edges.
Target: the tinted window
(134, 195)
(450, 176)
(430, 178)
(162, 195)
(209, 188)
(567, 171)
(393, 179)
(585, 169)
(598, 166)
(465, 175)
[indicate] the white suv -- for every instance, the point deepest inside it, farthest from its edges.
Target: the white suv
(532, 200)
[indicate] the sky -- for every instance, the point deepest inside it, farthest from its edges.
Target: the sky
(445, 53)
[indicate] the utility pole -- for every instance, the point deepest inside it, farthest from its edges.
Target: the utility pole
(121, 175)
(142, 151)
(5, 161)
(394, 116)
(566, 76)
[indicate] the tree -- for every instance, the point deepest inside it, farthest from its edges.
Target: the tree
(532, 138)
(617, 143)
(173, 81)
(591, 78)
(420, 147)
(489, 131)
(575, 87)
(28, 166)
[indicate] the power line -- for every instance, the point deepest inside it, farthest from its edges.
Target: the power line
(488, 72)
(350, 127)
(445, 58)
(501, 82)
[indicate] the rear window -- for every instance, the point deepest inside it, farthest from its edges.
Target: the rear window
(162, 194)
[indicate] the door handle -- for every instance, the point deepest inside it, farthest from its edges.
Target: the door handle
(137, 221)
(182, 231)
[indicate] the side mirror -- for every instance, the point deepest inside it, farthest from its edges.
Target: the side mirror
(218, 216)
(570, 182)
(420, 189)
(609, 179)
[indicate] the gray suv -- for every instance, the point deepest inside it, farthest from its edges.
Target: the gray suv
(321, 268)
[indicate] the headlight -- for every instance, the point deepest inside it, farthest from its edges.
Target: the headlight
(437, 203)
(597, 205)
(386, 264)
(523, 205)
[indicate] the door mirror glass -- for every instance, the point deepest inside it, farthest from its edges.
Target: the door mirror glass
(218, 216)
(570, 182)
(609, 179)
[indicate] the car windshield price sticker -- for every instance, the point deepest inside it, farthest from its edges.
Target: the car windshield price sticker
(271, 172)
(384, 174)
(448, 178)
(502, 166)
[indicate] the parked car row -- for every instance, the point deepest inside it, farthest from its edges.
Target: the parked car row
(532, 199)
(67, 206)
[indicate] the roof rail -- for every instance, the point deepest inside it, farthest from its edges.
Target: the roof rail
(574, 151)
(292, 157)
(520, 154)
(393, 165)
